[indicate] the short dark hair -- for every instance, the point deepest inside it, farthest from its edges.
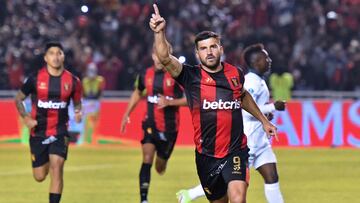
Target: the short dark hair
(53, 44)
(205, 35)
(250, 51)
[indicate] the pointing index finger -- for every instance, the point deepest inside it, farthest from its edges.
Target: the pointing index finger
(156, 9)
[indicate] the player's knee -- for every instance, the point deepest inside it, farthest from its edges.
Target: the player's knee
(237, 198)
(272, 178)
(160, 168)
(148, 159)
(40, 177)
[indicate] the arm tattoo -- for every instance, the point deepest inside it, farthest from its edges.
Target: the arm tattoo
(20, 107)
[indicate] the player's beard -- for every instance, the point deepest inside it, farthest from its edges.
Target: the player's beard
(212, 66)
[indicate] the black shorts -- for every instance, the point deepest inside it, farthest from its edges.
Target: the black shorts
(216, 173)
(164, 141)
(42, 147)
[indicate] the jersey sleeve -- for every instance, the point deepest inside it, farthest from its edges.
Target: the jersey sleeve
(184, 79)
(139, 82)
(77, 91)
(253, 86)
(29, 86)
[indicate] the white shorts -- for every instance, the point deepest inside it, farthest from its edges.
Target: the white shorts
(265, 157)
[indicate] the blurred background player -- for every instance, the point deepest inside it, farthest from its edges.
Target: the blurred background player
(262, 158)
(93, 87)
(160, 125)
(215, 95)
(51, 89)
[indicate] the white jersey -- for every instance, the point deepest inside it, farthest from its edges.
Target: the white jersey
(257, 139)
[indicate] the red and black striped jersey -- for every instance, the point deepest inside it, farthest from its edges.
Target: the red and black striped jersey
(214, 100)
(50, 98)
(160, 83)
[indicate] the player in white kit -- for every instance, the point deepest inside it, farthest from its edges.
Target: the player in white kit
(262, 157)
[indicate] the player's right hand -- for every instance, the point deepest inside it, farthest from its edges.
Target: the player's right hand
(271, 130)
(125, 120)
(30, 122)
(280, 105)
(157, 23)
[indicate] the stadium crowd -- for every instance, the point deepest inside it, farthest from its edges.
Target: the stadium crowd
(316, 41)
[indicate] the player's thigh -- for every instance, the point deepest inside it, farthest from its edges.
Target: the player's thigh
(209, 172)
(237, 167)
(148, 152)
(60, 146)
(265, 157)
(237, 191)
(39, 153)
(56, 163)
(165, 145)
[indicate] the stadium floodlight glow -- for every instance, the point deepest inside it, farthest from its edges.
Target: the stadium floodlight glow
(331, 15)
(182, 59)
(84, 9)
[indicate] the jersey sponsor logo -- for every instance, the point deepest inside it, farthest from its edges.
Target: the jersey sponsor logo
(154, 99)
(51, 105)
(235, 104)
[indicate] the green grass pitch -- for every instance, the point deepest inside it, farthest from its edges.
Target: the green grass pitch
(109, 174)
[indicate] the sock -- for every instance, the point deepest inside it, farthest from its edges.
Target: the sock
(273, 193)
(144, 178)
(196, 192)
(54, 198)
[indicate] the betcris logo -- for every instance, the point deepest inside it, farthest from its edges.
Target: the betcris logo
(51, 105)
(235, 104)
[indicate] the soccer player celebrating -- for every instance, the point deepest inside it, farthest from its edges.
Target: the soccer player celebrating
(215, 95)
(161, 123)
(51, 89)
(262, 158)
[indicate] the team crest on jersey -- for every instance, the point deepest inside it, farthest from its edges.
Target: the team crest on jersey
(42, 85)
(168, 82)
(149, 81)
(66, 86)
(235, 81)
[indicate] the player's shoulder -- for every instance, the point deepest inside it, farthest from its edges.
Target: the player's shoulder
(252, 76)
(73, 76)
(191, 68)
(232, 67)
(252, 81)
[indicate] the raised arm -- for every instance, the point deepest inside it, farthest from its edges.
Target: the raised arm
(162, 48)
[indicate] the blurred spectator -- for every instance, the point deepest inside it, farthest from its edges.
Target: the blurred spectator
(313, 39)
(281, 84)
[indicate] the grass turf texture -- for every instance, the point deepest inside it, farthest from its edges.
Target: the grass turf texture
(110, 174)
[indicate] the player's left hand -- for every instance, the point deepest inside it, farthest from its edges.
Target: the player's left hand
(271, 130)
(78, 116)
(162, 101)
